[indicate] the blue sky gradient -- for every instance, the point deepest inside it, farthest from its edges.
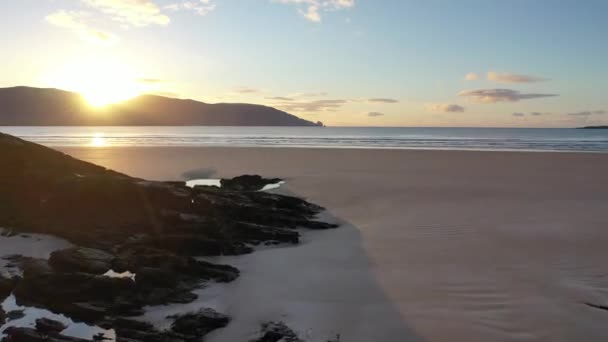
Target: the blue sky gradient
(414, 53)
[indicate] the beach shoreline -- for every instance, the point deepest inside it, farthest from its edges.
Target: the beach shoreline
(488, 245)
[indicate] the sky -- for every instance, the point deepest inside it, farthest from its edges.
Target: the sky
(465, 63)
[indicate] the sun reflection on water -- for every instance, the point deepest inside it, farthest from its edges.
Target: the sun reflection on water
(98, 140)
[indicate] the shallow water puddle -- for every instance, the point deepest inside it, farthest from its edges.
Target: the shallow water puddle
(204, 182)
(125, 274)
(31, 314)
(26, 245)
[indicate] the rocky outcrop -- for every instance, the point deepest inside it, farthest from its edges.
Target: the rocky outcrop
(15, 334)
(277, 332)
(49, 326)
(247, 183)
(151, 229)
(198, 323)
(81, 259)
(6, 287)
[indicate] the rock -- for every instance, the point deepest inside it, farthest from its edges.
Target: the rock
(152, 277)
(2, 316)
(199, 323)
(152, 229)
(15, 315)
(49, 326)
(6, 287)
(16, 334)
(35, 268)
(247, 183)
(80, 259)
(277, 332)
(81, 296)
(134, 330)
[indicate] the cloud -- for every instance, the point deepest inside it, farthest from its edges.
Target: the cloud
(317, 94)
(312, 9)
(589, 113)
(500, 95)
(374, 114)
(280, 98)
(311, 106)
(246, 90)
(512, 78)
(137, 13)
(382, 100)
(150, 80)
(519, 114)
(537, 113)
(445, 108)
(471, 77)
(200, 7)
(75, 21)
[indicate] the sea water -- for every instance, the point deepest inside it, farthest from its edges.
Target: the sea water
(507, 139)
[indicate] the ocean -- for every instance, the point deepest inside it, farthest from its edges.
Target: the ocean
(494, 139)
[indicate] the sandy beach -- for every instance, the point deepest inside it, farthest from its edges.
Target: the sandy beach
(435, 245)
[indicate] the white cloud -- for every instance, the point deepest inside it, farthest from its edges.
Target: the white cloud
(589, 113)
(445, 108)
(131, 12)
(513, 78)
(246, 90)
(312, 9)
(500, 95)
(76, 22)
(311, 106)
(471, 76)
(200, 7)
(382, 100)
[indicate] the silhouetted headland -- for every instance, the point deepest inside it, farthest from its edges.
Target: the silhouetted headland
(26, 106)
(594, 127)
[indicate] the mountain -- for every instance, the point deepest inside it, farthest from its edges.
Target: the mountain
(26, 106)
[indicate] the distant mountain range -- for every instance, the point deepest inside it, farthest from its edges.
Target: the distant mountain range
(26, 106)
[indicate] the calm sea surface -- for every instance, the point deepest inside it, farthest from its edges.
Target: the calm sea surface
(530, 139)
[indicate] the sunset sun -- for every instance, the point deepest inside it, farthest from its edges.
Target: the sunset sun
(101, 82)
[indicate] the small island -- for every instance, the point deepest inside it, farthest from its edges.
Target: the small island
(594, 127)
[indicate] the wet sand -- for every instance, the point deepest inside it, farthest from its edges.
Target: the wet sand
(438, 245)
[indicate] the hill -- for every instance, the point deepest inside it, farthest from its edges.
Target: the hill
(26, 106)
(594, 127)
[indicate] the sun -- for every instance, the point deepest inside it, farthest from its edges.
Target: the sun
(100, 81)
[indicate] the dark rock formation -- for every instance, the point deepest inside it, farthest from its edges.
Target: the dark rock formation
(81, 259)
(198, 323)
(277, 332)
(6, 287)
(15, 315)
(49, 326)
(120, 223)
(14, 334)
(247, 183)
